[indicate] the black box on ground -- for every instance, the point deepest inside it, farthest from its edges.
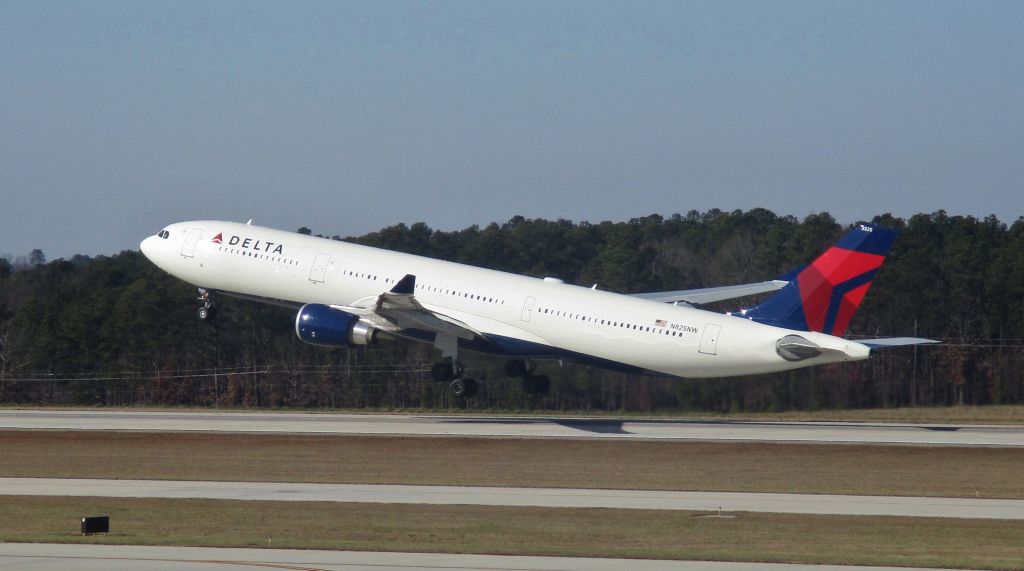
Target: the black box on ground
(95, 524)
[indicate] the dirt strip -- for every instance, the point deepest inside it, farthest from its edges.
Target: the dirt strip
(695, 466)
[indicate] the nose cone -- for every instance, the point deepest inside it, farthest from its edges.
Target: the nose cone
(147, 247)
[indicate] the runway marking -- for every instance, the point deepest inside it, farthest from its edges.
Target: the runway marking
(715, 502)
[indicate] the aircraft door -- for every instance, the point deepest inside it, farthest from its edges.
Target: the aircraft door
(188, 248)
(709, 341)
(528, 308)
(319, 271)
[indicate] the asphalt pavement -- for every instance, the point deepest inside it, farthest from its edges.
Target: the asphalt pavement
(713, 502)
(54, 557)
(517, 427)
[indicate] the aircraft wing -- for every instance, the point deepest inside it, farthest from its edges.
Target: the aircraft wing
(398, 309)
(712, 294)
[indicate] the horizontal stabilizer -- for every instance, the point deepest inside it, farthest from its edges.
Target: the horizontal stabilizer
(885, 343)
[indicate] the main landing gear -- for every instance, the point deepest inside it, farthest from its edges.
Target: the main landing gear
(532, 384)
(450, 371)
(206, 311)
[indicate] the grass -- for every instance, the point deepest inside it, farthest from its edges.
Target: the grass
(989, 414)
(988, 544)
(656, 465)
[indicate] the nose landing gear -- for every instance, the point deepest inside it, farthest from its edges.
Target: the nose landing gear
(206, 311)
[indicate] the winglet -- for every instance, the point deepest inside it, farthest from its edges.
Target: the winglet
(406, 285)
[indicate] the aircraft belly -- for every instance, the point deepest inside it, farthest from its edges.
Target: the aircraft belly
(740, 349)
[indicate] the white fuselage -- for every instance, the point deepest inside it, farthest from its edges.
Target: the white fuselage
(647, 335)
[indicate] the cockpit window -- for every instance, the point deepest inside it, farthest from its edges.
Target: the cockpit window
(164, 234)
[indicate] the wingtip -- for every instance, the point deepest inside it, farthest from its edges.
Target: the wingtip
(406, 285)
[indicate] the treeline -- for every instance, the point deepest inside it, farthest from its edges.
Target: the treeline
(118, 331)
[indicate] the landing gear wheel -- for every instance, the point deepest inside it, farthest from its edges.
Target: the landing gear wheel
(446, 371)
(464, 388)
(205, 312)
(537, 385)
(442, 372)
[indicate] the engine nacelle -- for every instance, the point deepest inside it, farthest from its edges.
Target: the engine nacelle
(322, 325)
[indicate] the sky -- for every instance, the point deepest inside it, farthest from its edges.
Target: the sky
(117, 118)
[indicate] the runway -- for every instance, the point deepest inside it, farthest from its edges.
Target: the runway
(820, 504)
(518, 427)
(55, 556)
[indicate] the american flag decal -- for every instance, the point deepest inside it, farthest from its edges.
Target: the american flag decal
(660, 323)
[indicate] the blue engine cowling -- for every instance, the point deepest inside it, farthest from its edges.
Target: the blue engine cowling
(322, 325)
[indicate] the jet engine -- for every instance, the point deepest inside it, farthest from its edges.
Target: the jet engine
(322, 325)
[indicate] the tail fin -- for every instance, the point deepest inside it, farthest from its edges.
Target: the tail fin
(824, 295)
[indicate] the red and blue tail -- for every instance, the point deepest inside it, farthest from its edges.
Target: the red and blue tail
(824, 295)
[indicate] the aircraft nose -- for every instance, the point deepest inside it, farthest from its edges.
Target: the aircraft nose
(147, 247)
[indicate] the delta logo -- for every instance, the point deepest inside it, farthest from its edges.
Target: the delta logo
(250, 244)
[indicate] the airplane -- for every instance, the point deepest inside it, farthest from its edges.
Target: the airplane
(348, 295)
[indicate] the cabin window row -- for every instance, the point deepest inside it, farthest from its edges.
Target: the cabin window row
(433, 289)
(361, 275)
(609, 322)
(258, 255)
(462, 294)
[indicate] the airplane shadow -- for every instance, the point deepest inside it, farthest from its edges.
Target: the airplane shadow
(596, 426)
(614, 426)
